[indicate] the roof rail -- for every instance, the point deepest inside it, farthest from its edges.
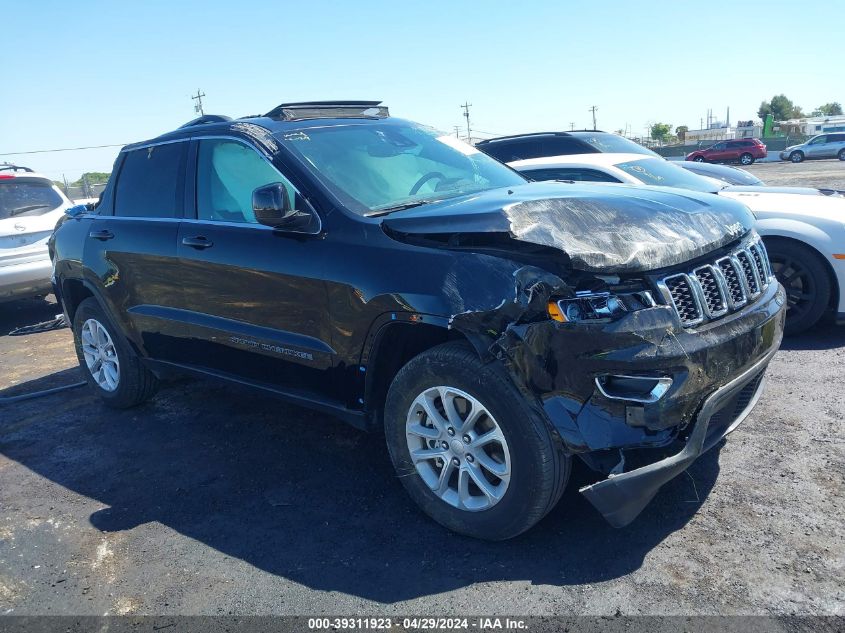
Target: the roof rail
(328, 109)
(207, 118)
(11, 167)
(532, 134)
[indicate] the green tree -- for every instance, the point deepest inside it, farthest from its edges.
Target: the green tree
(661, 131)
(781, 108)
(681, 132)
(828, 109)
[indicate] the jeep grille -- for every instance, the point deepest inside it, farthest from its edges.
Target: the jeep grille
(713, 290)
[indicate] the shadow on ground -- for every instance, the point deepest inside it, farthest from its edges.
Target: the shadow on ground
(825, 335)
(304, 497)
(15, 314)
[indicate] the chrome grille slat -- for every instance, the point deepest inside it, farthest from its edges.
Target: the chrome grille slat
(712, 290)
(713, 294)
(684, 298)
(749, 271)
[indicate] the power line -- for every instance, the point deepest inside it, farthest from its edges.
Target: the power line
(466, 107)
(593, 110)
(63, 149)
(198, 105)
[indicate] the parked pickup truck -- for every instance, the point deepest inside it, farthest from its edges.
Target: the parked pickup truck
(378, 270)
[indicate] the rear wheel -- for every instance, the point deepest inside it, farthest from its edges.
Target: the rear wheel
(796, 157)
(746, 159)
(804, 277)
(110, 366)
(467, 446)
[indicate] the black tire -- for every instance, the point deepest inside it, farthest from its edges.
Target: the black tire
(805, 278)
(699, 159)
(841, 154)
(539, 471)
(746, 159)
(136, 383)
(796, 157)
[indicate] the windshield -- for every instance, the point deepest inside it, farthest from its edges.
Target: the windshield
(614, 144)
(19, 198)
(662, 173)
(379, 166)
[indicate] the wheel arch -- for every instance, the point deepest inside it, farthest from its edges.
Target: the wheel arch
(75, 291)
(394, 344)
(786, 237)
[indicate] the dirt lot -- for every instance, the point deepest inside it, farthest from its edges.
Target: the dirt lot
(811, 173)
(213, 500)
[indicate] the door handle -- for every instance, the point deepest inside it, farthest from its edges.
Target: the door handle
(101, 235)
(198, 241)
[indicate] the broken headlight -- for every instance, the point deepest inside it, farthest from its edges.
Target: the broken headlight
(598, 306)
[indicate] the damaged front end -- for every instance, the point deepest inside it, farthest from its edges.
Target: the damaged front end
(638, 368)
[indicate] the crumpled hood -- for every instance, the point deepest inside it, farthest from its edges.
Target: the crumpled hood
(602, 228)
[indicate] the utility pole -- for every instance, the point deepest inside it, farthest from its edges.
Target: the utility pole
(466, 107)
(593, 110)
(457, 131)
(198, 105)
(571, 125)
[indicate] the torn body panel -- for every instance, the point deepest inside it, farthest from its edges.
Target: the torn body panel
(559, 367)
(599, 228)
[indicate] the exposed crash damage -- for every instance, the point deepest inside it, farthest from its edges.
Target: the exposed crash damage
(402, 280)
(630, 387)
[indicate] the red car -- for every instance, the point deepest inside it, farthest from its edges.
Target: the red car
(742, 150)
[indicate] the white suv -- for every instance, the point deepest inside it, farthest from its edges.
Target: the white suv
(30, 206)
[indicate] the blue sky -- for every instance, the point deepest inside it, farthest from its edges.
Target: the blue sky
(93, 73)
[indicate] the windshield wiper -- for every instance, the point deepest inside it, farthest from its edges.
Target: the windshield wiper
(29, 208)
(398, 207)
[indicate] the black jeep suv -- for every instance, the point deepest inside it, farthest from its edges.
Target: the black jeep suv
(383, 272)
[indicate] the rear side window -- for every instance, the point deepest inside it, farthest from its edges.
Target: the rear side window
(150, 182)
(570, 173)
(537, 147)
(20, 197)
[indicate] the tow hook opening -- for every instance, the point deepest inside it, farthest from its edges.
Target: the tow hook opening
(645, 389)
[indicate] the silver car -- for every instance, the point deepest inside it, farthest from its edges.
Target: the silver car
(830, 145)
(30, 206)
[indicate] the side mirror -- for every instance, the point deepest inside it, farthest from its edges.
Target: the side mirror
(272, 207)
(76, 210)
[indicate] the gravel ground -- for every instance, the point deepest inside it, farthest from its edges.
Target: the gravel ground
(810, 173)
(213, 500)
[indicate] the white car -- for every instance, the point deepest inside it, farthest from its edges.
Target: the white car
(803, 229)
(30, 206)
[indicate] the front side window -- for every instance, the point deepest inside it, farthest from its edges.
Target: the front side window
(662, 173)
(227, 174)
(718, 147)
(379, 166)
(818, 140)
(148, 185)
(20, 197)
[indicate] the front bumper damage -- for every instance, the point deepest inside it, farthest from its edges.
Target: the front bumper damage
(559, 366)
(620, 498)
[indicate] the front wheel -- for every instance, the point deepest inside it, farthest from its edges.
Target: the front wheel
(699, 159)
(796, 157)
(110, 366)
(467, 446)
(746, 159)
(803, 276)
(841, 154)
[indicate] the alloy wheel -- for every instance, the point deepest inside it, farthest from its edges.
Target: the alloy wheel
(458, 448)
(798, 283)
(100, 355)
